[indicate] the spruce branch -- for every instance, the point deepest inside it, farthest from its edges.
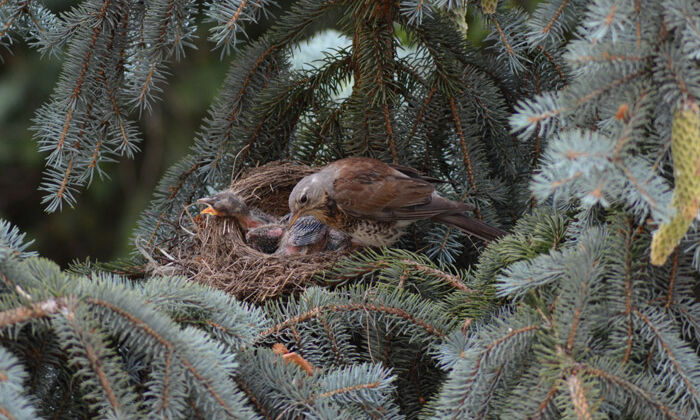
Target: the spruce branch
(231, 16)
(535, 234)
(104, 382)
(232, 322)
(76, 126)
(13, 403)
(13, 243)
(578, 397)
(683, 16)
(396, 306)
(349, 387)
(484, 362)
(673, 358)
(417, 10)
(508, 40)
(603, 290)
(200, 361)
(27, 19)
(649, 401)
(36, 311)
(551, 20)
(555, 63)
(164, 29)
(523, 276)
(390, 262)
(97, 320)
(625, 270)
(362, 389)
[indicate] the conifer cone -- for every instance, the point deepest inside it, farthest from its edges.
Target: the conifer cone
(685, 148)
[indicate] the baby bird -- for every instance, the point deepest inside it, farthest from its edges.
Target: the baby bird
(306, 236)
(228, 204)
(265, 238)
(338, 241)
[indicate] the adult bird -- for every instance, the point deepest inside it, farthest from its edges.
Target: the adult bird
(373, 202)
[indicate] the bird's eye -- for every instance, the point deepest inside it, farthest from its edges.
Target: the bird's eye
(302, 199)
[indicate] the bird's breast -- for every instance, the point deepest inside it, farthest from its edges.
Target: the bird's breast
(331, 215)
(376, 233)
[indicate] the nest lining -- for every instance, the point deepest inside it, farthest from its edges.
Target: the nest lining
(216, 253)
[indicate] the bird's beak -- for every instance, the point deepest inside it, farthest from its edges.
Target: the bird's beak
(209, 210)
(294, 218)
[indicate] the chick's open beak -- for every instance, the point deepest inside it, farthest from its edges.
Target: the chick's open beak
(209, 210)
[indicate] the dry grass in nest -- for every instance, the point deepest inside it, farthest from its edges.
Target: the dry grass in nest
(216, 253)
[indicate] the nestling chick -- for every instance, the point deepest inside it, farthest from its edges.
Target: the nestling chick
(265, 238)
(285, 219)
(306, 236)
(338, 241)
(228, 204)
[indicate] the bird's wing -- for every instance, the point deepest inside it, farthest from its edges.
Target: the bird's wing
(373, 190)
(437, 206)
(415, 173)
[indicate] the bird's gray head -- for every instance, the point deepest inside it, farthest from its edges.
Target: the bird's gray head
(224, 204)
(308, 198)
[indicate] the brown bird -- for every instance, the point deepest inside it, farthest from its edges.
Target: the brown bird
(373, 202)
(228, 204)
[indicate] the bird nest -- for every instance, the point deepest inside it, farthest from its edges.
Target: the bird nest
(217, 253)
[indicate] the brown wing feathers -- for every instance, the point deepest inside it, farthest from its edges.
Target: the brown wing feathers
(367, 189)
(437, 206)
(415, 173)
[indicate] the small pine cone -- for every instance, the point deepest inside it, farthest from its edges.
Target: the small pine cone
(489, 6)
(667, 237)
(685, 147)
(459, 17)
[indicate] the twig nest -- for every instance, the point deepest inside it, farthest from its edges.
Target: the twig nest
(218, 255)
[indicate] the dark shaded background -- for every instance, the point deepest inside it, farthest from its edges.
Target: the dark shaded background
(101, 223)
